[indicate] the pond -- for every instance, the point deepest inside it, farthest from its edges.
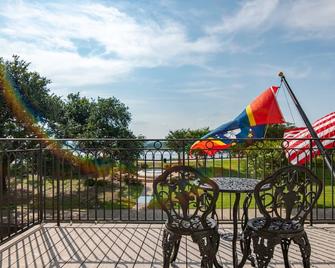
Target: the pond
(150, 172)
(142, 200)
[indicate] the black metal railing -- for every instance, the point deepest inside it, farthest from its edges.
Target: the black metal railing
(111, 180)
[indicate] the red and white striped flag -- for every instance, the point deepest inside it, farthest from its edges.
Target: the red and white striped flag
(298, 151)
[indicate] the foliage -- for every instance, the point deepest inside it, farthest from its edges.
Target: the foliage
(265, 157)
(76, 117)
(181, 140)
(38, 104)
(32, 89)
(144, 166)
(90, 182)
(89, 118)
(277, 130)
(131, 180)
(274, 135)
(100, 119)
(33, 107)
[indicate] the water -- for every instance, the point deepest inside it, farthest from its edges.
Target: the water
(150, 172)
(141, 199)
(159, 155)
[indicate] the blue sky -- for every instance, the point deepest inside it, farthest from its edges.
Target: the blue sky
(178, 64)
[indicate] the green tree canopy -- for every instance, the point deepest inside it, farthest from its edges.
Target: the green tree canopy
(31, 109)
(277, 130)
(26, 108)
(74, 117)
(182, 139)
(99, 119)
(89, 118)
(31, 89)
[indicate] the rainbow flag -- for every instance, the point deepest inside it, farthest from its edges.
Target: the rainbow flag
(262, 111)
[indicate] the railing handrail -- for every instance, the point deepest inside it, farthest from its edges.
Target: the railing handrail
(153, 140)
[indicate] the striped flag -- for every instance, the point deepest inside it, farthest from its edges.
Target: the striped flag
(250, 124)
(298, 145)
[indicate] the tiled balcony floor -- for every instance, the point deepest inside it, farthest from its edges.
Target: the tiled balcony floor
(133, 245)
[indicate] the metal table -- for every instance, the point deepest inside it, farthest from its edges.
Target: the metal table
(237, 185)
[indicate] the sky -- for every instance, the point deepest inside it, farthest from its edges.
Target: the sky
(178, 64)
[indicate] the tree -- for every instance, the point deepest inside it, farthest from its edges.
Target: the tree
(181, 140)
(266, 156)
(74, 121)
(30, 106)
(89, 118)
(98, 119)
(31, 89)
(277, 130)
(30, 110)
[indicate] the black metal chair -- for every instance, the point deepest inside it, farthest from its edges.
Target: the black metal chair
(294, 191)
(189, 209)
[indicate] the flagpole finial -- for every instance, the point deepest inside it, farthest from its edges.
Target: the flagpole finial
(281, 74)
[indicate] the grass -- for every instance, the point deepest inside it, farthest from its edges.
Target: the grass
(102, 194)
(238, 168)
(226, 200)
(76, 193)
(113, 193)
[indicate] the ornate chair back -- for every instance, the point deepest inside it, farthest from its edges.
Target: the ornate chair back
(294, 191)
(186, 196)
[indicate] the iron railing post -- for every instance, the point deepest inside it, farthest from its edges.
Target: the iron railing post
(310, 166)
(1, 194)
(184, 152)
(40, 183)
(58, 190)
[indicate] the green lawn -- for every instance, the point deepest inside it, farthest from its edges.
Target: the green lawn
(96, 194)
(237, 167)
(75, 193)
(326, 200)
(115, 194)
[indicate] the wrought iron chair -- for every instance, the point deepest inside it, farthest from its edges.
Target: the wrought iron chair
(189, 209)
(293, 193)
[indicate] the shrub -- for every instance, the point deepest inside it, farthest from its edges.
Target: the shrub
(131, 180)
(144, 166)
(90, 182)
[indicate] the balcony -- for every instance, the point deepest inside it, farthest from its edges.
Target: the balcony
(133, 245)
(89, 203)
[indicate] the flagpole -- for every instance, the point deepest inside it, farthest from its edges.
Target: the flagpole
(307, 123)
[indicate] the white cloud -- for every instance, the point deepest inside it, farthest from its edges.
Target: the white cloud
(311, 19)
(51, 36)
(211, 90)
(252, 15)
(66, 68)
(300, 19)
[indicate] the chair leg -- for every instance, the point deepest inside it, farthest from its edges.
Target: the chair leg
(264, 253)
(305, 248)
(285, 244)
(216, 243)
(208, 245)
(169, 241)
(245, 249)
(175, 250)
